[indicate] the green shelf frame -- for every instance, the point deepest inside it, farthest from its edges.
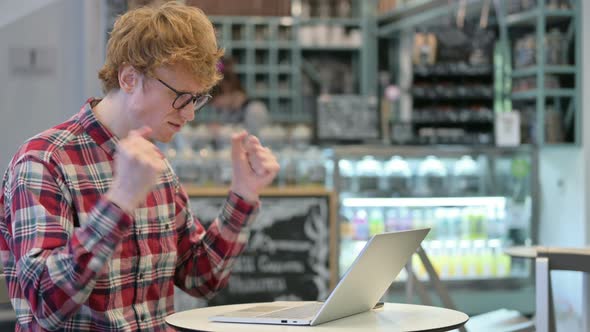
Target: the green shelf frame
(420, 14)
(237, 35)
(273, 94)
(346, 22)
(530, 71)
(410, 10)
(264, 60)
(544, 93)
(331, 48)
(537, 20)
(260, 45)
(262, 69)
(530, 17)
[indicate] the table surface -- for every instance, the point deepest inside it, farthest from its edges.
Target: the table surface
(534, 251)
(524, 251)
(392, 317)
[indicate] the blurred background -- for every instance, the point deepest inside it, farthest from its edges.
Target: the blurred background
(465, 116)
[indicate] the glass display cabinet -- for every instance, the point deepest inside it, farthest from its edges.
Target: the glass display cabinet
(477, 201)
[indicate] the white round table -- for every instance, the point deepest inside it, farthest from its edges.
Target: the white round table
(392, 317)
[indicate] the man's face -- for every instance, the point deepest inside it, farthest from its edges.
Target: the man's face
(153, 105)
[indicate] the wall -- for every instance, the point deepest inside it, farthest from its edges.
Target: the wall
(29, 102)
(586, 146)
(13, 10)
(565, 214)
(562, 213)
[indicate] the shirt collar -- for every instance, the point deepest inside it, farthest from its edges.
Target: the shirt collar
(96, 130)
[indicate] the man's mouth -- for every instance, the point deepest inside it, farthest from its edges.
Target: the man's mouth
(176, 126)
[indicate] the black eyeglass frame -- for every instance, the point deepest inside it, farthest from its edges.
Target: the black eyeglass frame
(199, 100)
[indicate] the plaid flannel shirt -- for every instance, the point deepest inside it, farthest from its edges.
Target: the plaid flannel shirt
(74, 261)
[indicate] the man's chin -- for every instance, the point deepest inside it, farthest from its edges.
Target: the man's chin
(164, 138)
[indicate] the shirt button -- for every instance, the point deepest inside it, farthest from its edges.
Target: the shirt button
(141, 276)
(143, 317)
(167, 226)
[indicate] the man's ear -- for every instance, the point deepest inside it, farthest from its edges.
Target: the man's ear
(128, 78)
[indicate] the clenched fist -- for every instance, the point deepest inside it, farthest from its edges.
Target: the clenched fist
(254, 166)
(138, 165)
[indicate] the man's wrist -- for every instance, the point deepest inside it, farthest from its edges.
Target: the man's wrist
(251, 198)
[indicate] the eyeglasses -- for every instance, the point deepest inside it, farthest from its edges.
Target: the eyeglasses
(183, 98)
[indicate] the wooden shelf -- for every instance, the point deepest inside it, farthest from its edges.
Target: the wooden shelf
(311, 190)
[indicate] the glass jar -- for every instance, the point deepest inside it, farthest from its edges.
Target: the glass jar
(398, 177)
(311, 168)
(288, 171)
(432, 175)
(369, 172)
(347, 176)
(187, 167)
(224, 167)
(466, 177)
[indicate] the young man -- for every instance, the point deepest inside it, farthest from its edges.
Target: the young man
(95, 228)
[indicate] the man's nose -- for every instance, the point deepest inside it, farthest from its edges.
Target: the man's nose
(188, 112)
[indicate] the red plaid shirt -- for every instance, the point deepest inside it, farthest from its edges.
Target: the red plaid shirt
(74, 261)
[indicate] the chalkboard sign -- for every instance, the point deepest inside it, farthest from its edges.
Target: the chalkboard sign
(342, 118)
(288, 253)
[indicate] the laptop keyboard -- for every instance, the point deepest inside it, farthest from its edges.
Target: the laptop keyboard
(307, 310)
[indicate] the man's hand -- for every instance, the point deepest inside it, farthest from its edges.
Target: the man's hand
(254, 166)
(138, 165)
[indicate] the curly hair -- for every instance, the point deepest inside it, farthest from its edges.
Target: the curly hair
(150, 37)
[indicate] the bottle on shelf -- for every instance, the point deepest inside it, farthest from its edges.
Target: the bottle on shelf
(474, 223)
(405, 219)
(391, 220)
(489, 268)
(434, 253)
(469, 259)
(418, 219)
(376, 222)
(496, 223)
(444, 261)
(455, 259)
(502, 261)
(346, 227)
(442, 223)
(430, 222)
(454, 216)
(453, 223)
(361, 225)
(478, 257)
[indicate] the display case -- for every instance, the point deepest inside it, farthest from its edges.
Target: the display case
(476, 201)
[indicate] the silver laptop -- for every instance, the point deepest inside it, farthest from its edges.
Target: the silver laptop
(358, 291)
